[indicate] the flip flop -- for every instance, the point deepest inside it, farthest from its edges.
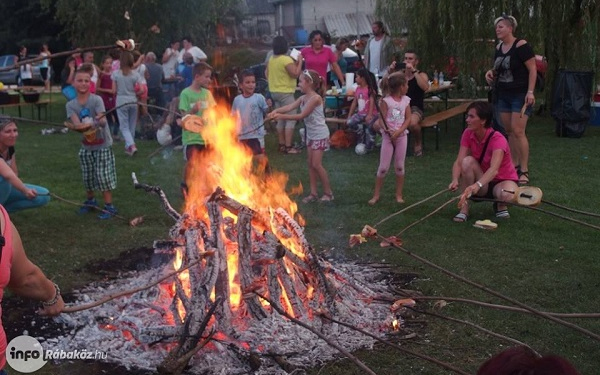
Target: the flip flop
(460, 217)
(485, 224)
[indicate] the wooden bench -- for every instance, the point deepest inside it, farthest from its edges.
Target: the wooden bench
(433, 120)
(39, 104)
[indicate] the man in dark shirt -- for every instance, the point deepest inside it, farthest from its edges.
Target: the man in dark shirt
(155, 78)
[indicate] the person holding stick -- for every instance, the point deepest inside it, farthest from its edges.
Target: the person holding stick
(513, 80)
(96, 156)
(393, 124)
(14, 194)
(483, 166)
(317, 132)
(23, 278)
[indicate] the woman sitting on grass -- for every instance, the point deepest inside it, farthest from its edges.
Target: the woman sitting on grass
(483, 166)
(14, 194)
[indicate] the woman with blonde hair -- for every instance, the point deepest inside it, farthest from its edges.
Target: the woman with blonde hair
(513, 79)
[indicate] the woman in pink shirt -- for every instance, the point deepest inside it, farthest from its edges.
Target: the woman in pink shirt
(317, 57)
(483, 166)
(23, 277)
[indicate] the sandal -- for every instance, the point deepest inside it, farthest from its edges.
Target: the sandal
(326, 197)
(310, 198)
(418, 153)
(460, 217)
(281, 148)
(521, 174)
(292, 150)
(501, 214)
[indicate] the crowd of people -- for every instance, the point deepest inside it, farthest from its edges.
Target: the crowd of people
(492, 159)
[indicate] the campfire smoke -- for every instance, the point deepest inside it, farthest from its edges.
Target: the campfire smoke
(239, 238)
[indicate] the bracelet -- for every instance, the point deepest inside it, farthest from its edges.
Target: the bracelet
(54, 300)
(530, 92)
(479, 184)
(415, 71)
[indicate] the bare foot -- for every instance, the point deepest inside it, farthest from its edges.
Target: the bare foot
(373, 200)
(399, 200)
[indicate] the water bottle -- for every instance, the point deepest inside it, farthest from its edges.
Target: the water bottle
(441, 78)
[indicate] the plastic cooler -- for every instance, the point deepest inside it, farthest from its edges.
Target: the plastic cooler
(595, 111)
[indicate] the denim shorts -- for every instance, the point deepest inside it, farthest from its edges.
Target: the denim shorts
(512, 102)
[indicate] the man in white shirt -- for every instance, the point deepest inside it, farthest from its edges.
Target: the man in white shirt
(196, 52)
(379, 50)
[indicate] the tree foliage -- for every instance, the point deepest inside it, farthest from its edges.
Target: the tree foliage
(564, 31)
(97, 22)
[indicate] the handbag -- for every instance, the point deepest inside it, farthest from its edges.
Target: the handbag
(69, 92)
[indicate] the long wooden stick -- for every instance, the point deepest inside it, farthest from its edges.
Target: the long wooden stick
(445, 365)
(409, 207)
(473, 325)
(427, 216)
(453, 275)
(320, 335)
(498, 307)
(58, 54)
(110, 297)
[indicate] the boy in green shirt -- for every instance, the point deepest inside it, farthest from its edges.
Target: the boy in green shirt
(195, 100)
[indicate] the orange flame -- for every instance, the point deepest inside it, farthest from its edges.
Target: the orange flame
(228, 164)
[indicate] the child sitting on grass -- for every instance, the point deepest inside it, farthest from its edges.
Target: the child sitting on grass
(96, 157)
(364, 100)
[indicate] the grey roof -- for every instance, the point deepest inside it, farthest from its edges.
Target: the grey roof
(260, 7)
(350, 24)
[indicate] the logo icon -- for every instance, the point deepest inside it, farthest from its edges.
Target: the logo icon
(25, 354)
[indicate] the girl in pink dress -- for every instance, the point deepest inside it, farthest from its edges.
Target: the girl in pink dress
(395, 117)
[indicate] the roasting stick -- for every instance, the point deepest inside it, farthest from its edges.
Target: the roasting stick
(110, 297)
(321, 336)
(411, 206)
(463, 279)
(133, 222)
(445, 365)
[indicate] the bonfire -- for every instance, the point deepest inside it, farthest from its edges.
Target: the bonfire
(244, 290)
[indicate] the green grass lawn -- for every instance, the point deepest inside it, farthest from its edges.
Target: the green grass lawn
(540, 260)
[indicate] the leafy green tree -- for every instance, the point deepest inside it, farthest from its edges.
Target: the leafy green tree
(565, 31)
(98, 22)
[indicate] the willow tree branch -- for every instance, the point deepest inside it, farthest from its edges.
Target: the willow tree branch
(319, 334)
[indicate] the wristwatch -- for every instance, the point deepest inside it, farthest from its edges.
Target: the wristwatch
(479, 184)
(415, 71)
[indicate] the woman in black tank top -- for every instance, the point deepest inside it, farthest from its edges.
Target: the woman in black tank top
(513, 80)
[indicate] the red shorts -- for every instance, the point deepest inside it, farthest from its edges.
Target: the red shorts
(144, 88)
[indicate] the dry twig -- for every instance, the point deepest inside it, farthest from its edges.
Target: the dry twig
(110, 297)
